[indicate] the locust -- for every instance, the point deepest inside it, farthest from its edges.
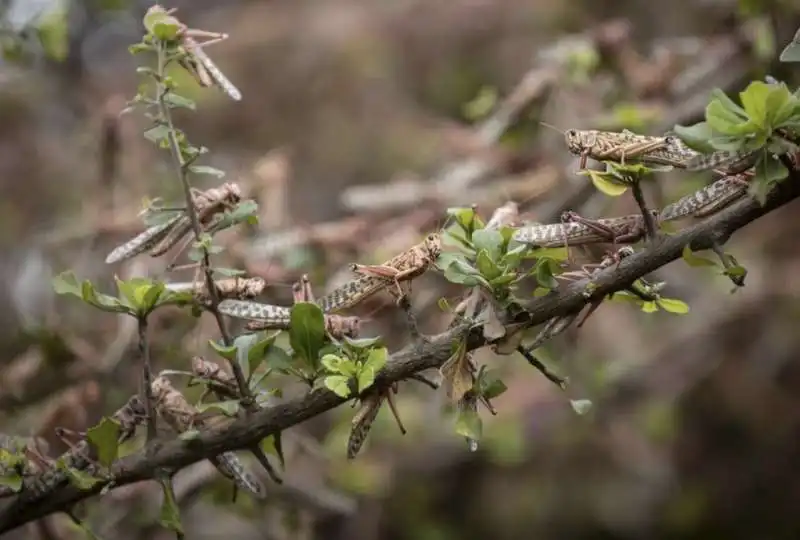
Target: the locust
(182, 417)
(81, 456)
(235, 287)
(270, 317)
(191, 55)
(374, 278)
(626, 146)
(709, 199)
(576, 230)
(368, 410)
(224, 386)
(160, 238)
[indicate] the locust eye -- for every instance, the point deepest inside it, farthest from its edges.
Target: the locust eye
(572, 133)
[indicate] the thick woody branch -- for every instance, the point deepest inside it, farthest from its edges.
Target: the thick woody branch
(403, 364)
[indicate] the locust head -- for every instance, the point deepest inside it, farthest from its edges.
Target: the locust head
(579, 142)
(433, 245)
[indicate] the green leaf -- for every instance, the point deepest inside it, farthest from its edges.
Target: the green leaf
(490, 384)
(649, 307)
(722, 120)
(469, 424)
(486, 266)
(481, 105)
(228, 272)
(465, 217)
(189, 435)
(695, 137)
(229, 408)
(780, 105)
(464, 274)
(228, 352)
(375, 362)
(693, 260)
(105, 438)
(251, 349)
(331, 362)
(271, 445)
(770, 170)
(736, 272)
(101, 301)
(754, 101)
(538, 292)
(307, 331)
(728, 104)
(78, 478)
(12, 481)
(338, 384)
(605, 183)
(673, 305)
(178, 101)
(205, 169)
(278, 359)
(157, 134)
(67, 283)
(170, 515)
(544, 273)
(581, 406)
(791, 53)
(446, 259)
(490, 240)
(361, 343)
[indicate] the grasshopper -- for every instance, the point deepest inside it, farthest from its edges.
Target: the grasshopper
(708, 200)
(627, 146)
(192, 57)
(729, 163)
(367, 413)
(576, 230)
(269, 317)
(82, 455)
(159, 239)
(235, 287)
(403, 267)
(182, 417)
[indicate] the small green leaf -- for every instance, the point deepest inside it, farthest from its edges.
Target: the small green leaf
(538, 292)
(105, 438)
(490, 240)
(229, 408)
(157, 134)
(464, 274)
(693, 260)
(67, 283)
(307, 331)
(170, 515)
(251, 350)
(722, 120)
(481, 105)
(605, 184)
(673, 305)
(189, 435)
(361, 343)
(581, 406)
(465, 217)
(695, 137)
(728, 104)
(649, 307)
(338, 384)
(80, 479)
(365, 378)
(271, 445)
(486, 266)
(228, 272)
(544, 274)
(205, 169)
(11, 481)
(278, 359)
(736, 271)
(469, 424)
(377, 358)
(331, 362)
(754, 101)
(490, 384)
(176, 100)
(228, 352)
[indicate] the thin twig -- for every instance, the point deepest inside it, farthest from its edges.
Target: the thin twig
(147, 379)
(180, 169)
(535, 362)
(649, 221)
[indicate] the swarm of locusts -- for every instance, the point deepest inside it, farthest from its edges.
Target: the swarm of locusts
(234, 296)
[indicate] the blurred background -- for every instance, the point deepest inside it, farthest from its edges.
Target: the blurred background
(361, 123)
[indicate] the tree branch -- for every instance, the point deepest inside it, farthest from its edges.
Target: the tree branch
(402, 364)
